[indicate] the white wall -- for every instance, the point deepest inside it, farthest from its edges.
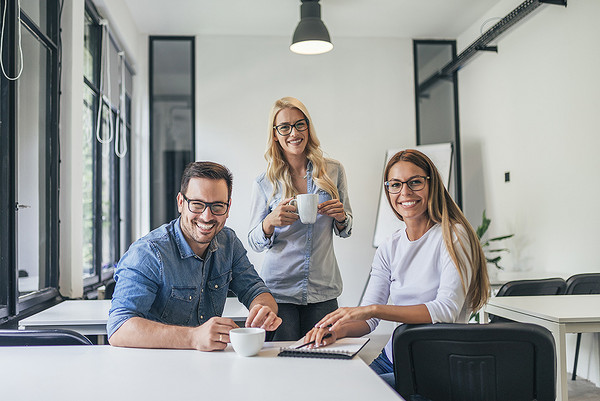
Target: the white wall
(532, 109)
(360, 97)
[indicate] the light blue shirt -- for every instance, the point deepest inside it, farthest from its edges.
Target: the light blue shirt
(300, 266)
(160, 278)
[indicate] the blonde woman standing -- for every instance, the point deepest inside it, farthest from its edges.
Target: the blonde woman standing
(299, 267)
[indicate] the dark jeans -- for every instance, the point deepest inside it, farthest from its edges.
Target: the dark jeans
(297, 320)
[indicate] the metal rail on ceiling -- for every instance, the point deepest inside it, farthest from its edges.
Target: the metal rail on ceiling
(481, 44)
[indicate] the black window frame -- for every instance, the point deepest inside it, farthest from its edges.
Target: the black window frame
(456, 170)
(17, 305)
(154, 188)
(102, 275)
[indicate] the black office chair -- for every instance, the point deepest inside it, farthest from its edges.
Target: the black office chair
(475, 362)
(42, 337)
(581, 284)
(547, 286)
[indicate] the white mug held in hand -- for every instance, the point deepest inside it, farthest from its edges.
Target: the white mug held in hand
(247, 341)
(306, 204)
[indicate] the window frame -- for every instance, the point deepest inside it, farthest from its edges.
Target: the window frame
(16, 305)
(102, 275)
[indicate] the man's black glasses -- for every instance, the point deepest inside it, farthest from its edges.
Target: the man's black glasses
(197, 206)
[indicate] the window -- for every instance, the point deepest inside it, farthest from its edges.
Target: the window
(29, 155)
(437, 103)
(171, 121)
(106, 150)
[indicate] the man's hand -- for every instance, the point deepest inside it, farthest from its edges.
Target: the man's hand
(263, 316)
(213, 335)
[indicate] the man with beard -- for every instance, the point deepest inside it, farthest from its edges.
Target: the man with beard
(172, 283)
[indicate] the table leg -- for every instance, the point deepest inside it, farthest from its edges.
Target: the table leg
(562, 389)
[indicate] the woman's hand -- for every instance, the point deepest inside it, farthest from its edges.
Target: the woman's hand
(333, 208)
(342, 315)
(319, 337)
(283, 215)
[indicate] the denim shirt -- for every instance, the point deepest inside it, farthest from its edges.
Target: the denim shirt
(300, 266)
(161, 279)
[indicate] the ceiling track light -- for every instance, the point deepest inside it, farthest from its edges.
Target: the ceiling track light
(311, 35)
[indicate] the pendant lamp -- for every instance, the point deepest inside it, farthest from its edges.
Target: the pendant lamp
(311, 35)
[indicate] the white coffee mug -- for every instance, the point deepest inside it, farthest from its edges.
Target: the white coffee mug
(247, 341)
(306, 204)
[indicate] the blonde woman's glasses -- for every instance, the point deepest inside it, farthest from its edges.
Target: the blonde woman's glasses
(286, 129)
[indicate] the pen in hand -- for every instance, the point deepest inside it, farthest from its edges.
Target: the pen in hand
(313, 341)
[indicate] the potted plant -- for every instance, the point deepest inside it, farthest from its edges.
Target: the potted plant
(491, 255)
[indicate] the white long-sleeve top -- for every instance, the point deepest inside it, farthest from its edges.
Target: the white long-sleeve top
(419, 272)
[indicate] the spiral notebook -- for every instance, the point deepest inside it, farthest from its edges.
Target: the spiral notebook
(344, 348)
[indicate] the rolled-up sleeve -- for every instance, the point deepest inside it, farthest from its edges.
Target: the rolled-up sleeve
(137, 276)
(342, 186)
(259, 204)
(246, 282)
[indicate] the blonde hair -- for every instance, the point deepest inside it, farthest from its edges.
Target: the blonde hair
(278, 169)
(441, 209)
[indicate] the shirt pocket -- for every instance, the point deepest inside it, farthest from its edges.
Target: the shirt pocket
(180, 305)
(274, 202)
(323, 196)
(217, 292)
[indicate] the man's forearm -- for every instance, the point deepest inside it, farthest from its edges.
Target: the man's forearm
(265, 299)
(142, 333)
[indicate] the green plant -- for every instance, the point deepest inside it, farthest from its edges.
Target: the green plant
(494, 258)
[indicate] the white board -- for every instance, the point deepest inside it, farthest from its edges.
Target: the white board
(387, 222)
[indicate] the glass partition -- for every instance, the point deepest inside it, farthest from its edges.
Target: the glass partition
(172, 122)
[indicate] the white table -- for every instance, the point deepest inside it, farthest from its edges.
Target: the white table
(89, 317)
(560, 314)
(98, 373)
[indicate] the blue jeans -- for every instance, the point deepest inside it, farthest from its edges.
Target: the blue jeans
(385, 369)
(297, 320)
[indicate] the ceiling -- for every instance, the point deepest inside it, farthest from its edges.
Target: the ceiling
(343, 18)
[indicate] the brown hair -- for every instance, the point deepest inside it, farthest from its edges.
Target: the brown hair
(210, 170)
(443, 210)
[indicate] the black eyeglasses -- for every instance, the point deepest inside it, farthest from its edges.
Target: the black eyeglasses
(415, 183)
(286, 129)
(216, 208)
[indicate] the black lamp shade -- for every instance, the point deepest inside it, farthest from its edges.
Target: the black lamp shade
(311, 35)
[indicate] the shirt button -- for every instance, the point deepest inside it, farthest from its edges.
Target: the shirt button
(201, 317)
(202, 290)
(216, 286)
(190, 297)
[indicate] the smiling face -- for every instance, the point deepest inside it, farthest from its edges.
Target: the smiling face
(295, 143)
(200, 228)
(411, 205)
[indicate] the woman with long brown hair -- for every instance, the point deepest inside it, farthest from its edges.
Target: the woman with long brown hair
(433, 271)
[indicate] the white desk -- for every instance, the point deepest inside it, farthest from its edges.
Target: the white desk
(98, 373)
(560, 314)
(89, 317)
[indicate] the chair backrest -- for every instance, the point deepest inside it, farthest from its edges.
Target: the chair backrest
(475, 362)
(588, 283)
(42, 337)
(547, 286)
